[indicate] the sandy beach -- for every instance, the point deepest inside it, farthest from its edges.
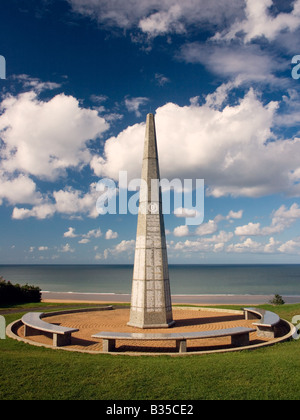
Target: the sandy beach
(176, 299)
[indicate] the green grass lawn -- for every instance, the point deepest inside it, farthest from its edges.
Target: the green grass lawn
(34, 373)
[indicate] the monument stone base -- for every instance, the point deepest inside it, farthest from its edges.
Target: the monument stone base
(138, 319)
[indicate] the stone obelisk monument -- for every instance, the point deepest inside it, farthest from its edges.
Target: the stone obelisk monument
(151, 305)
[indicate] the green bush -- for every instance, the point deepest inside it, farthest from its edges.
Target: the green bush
(14, 293)
(277, 300)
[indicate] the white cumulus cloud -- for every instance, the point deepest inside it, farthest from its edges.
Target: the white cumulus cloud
(159, 17)
(69, 201)
(229, 148)
(182, 230)
(18, 189)
(282, 218)
(111, 235)
(260, 23)
(42, 211)
(125, 246)
(70, 233)
(134, 104)
(45, 138)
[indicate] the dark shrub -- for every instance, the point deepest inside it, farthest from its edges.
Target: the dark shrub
(14, 293)
(277, 300)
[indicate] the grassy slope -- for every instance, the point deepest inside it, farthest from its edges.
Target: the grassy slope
(28, 372)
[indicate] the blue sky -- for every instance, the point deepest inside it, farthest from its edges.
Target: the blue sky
(81, 76)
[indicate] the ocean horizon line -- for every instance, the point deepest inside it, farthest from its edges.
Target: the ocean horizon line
(173, 294)
(131, 264)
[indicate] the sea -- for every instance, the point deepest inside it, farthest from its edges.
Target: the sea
(184, 279)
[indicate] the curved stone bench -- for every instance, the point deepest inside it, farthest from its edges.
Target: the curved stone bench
(239, 337)
(34, 324)
(266, 326)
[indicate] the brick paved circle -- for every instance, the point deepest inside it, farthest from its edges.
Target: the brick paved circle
(187, 320)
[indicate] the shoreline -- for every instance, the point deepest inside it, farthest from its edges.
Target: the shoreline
(229, 299)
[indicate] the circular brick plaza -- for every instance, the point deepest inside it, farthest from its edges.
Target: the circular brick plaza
(187, 319)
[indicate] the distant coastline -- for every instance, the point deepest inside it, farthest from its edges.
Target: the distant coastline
(176, 299)
(131, 265)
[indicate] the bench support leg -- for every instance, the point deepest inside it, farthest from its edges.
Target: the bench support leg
(240, 340)
(250, 315)
(30, 331)
(267, 332)
(60, 340)
(181, 346)
(108, 344)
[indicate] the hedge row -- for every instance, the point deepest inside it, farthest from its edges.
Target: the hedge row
(14, 293)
